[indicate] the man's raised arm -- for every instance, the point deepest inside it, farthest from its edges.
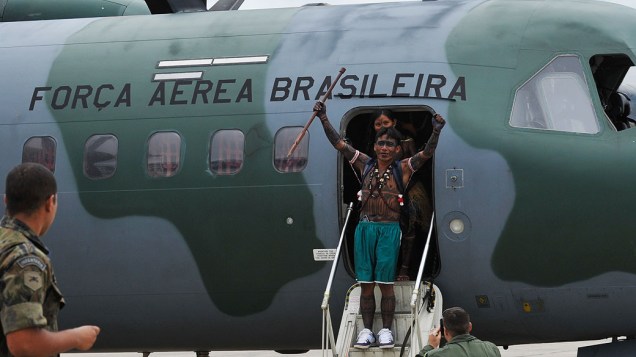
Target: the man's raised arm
(350, 153)
(418, 160)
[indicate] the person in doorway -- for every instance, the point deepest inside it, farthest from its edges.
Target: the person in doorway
(385, 118)
(460, 343)
(420, 209)
(30, 298)
(377, 236)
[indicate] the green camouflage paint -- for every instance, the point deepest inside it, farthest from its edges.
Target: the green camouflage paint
(231, 250)
(555, 233)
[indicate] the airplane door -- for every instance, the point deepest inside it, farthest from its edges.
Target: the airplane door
(414, 123)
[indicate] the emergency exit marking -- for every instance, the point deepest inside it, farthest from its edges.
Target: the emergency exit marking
(324, 254)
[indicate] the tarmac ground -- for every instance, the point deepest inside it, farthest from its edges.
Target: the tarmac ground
(564, 349)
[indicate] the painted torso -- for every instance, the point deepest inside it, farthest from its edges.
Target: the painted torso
(380, 196)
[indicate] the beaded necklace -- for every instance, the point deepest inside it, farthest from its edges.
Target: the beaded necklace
(380, 179)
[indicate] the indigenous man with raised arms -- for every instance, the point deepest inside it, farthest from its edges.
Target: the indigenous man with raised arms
(377, 236)
(29, 297)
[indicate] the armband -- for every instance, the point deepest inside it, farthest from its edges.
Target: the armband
(411, 165)
(355, 157)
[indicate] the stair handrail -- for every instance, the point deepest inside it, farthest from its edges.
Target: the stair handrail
(415, 335)
(327, 327)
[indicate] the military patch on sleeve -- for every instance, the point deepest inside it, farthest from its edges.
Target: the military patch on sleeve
(31, 260)
(33, 280)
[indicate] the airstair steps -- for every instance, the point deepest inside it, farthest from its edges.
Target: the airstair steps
(414, 322)
(378, 352)
(400, 326)
(351, 322)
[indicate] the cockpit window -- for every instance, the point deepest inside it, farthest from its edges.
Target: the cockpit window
(556, 98)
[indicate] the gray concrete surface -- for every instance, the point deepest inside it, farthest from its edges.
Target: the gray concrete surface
(565, 349)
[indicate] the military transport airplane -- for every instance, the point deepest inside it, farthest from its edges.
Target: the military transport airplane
(183, 225)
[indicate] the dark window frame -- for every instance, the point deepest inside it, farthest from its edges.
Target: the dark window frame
(46, 156)
(164, 164)
(297, 162)
(86, 162)
(231, 154)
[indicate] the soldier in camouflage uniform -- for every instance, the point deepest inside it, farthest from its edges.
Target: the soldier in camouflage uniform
(30, 298)
(461, 343)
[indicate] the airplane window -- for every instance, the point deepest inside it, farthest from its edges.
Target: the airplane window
(226, 152)
(164, 154)
(556, 98)
(40, 149)
(100, 156)
(283, 141)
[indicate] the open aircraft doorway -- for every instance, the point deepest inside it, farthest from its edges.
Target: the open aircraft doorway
(414, 123)
(615, 77)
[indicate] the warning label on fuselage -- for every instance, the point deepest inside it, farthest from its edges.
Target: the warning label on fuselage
(321, 255)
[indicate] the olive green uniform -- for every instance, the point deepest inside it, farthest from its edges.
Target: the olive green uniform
(462, 346)
(28, 291)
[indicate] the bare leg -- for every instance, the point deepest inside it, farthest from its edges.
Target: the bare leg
(367, 304)
(387, 305)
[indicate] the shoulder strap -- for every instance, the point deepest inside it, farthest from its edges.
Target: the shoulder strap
(367, 168)
(396, 168)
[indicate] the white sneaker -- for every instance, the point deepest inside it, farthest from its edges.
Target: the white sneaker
(365, 339)
(385, 338)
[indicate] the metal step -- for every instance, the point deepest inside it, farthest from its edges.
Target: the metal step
(351, 322)
(379, 352)
(400, 326)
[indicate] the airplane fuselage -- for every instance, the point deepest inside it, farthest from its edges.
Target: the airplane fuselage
(173, 235)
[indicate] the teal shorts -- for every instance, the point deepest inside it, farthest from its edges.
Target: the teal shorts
(376, 249)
